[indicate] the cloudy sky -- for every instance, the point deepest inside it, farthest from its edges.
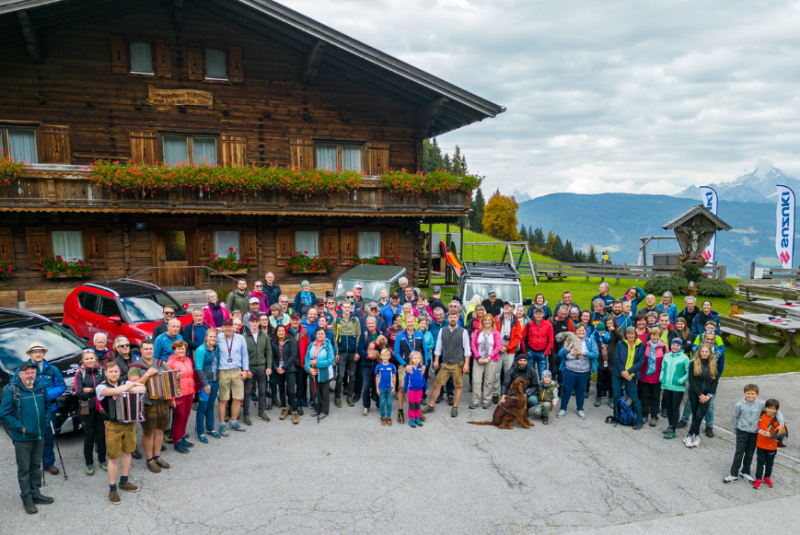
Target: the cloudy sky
(619, 95)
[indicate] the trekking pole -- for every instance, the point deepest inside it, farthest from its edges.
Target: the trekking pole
(59, 451)
(316, 397)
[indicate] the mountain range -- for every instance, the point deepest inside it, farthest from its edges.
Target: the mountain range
(758, 186)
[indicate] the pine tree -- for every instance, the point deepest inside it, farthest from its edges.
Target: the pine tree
(569, 254)
(580, 257)
(523, 233)
(459, 163)
(592, 257)
(431, 156)
(558, 249)
(476, 216)
(540, 242)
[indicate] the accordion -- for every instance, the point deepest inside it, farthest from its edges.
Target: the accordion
(130, 407)
(165, 385)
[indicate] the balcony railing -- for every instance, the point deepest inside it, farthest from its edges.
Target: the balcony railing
(68, 188)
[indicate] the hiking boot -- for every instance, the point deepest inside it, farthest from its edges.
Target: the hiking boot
(161, 463)
(89, 469)
(427, 409)
(450, 400)
(418, 422)
(284, 413)
(709, 432)
(136, 454)
(561, 413)
(128, 486)
(654, 421)
(153, 467)
(247, 420)
(30, 508)
(495, 399)
(213, 433)
(295, 418)
(485, 406)
(44, 500)
(351, 402)
(669, 434)
(52, 470)
(104, 467)
(729, 479)
(181, 448)
(313, 414)
(300, 410)
(682, 424)
(768, 481)
(383, 420)
(236, 427)
(263, 417)
(323, 415)
(389, 421)
(757, 484)
(401, 419)
(365, 411)
(186, 442)
(422, 417)
(748, 478)
(545, 420)
(597, 402)
(440, 398)
(337, 402)
(474, 405)
(412, 422)
(203, 439)
(454, 412)
(223, 430)
(638, 425)
(114, 497)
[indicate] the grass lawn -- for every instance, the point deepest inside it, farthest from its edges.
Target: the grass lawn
(582, 293)
(481, 253)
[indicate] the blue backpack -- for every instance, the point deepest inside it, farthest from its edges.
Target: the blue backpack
(624, 411)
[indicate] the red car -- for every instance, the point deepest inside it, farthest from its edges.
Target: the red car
(125, 307)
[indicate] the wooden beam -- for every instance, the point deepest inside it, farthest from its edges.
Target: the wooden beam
(312, 60)
(429, 110)
(177, 16)
(31, 36)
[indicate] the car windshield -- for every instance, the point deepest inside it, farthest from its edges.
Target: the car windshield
(59, 343)
(505, 292)
(370, 292)
(149, 308)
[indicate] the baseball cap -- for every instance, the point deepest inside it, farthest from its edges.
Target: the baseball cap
(394, 296)
(358, 285)
(253, 300)
(319, 302)
(492, 294)
(228, 322)
(437, 289)
(295, 317)
(373, 304)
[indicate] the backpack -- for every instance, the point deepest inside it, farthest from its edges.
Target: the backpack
(624, 413)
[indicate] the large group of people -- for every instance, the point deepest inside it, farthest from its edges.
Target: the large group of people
(266, 349)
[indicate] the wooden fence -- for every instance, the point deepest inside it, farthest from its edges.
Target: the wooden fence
(559, 271)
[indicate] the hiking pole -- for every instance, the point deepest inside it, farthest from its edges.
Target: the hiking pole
(59, 451)
(316, 395)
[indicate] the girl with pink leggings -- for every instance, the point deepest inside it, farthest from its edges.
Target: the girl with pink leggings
(415, 386)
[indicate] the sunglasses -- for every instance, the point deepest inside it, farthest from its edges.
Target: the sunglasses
(284, 302)
(124, 345)
(169, 313)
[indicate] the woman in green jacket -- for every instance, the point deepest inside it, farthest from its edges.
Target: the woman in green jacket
(674, 374)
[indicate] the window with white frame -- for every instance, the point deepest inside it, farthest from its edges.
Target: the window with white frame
(224, 241)
(184, 149)
(338, 156)
(369, 244)
(306, 242)
(68, 244)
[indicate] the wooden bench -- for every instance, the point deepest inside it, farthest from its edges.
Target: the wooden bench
(746, 331)
(550, 275)
(9, 299)
(46, 302)
(755, 292)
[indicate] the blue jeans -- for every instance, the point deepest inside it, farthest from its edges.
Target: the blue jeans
(616, 387)
(577, 382)
(386, 402)
(204, 421)
(539, 358)
(687, 412)
(48, 456)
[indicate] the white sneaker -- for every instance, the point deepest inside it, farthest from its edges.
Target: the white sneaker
(730, 479)
(748, 478)
(561, 413)
(696, 442)
(688, 441)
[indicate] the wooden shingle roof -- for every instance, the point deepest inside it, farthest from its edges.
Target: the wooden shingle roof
(697, 210)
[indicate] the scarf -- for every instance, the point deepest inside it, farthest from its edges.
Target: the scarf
(651, 360)
(305, 296)
(631, 354)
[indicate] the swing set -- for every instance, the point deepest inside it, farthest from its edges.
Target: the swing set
(515, 252)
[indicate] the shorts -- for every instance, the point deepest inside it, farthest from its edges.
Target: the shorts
(401, 377)
(456, 371)
(120, 438)
(231, 384)
(156, 418)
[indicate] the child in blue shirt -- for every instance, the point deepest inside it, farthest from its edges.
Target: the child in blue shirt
(385, 379)
(415, 386)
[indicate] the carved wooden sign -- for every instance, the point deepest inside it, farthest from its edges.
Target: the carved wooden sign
(180, 97)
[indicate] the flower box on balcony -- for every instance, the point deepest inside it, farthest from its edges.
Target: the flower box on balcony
(233, 272)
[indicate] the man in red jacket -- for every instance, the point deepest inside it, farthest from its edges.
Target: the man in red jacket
(538, 340)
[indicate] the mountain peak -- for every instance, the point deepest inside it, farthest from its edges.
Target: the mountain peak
(763, 167)
(757, 186)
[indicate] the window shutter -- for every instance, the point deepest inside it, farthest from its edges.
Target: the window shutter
(55, 144)
(378, 158)
(119, 55)
(284, 245)
(204, 244)
(249, 245)
(144, 147)
(330, 243)
(234, 151)
(94, 246)
(37, 246)
(7, 248)
(195, 61)
(163, 63)
(302, 153)
(235, 65)
(349, 245)
(391, 242)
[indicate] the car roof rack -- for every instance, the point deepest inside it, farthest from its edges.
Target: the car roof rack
(102, 287)
(144, 283)
(492, 270)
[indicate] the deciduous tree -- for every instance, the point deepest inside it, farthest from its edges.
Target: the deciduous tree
(500, 217)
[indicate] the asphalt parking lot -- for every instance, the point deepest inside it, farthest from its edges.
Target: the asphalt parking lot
(350, 475)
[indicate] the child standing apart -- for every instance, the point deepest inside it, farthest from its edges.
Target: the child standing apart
(386, 377)
(769, 432)
(415, 385)
(674, 374)
(746, 417)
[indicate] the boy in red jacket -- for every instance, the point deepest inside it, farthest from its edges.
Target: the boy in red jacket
(767, 443)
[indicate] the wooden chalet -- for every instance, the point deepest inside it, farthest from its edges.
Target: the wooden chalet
(225, 81)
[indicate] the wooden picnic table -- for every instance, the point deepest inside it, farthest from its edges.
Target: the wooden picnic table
(787, 329)
(791, 307)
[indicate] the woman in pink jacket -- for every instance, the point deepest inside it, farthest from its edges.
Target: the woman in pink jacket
(183, 405)
(486, 345)
(261, 295)
(214, 313)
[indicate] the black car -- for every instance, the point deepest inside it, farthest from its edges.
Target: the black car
(18, 329)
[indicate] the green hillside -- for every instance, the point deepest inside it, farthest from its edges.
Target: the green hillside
(481, 252)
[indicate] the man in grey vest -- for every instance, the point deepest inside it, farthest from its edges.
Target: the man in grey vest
(452, 348)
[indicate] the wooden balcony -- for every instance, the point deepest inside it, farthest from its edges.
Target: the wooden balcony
(67, 188)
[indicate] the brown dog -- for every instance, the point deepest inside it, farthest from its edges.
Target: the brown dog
(514, 409)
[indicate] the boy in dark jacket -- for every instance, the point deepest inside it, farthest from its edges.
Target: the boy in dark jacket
(545, 395)
(25, 409)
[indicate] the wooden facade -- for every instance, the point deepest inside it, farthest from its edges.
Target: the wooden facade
(250, 86)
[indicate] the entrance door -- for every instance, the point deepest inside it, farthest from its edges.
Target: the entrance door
(174, 252)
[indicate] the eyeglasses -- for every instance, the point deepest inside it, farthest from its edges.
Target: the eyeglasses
(169, 313)
(124, 345)
(259, 286)
(284, 302)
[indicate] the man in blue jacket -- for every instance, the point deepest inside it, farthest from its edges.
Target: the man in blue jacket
(392, 308)
(25, 409)
(53, 382)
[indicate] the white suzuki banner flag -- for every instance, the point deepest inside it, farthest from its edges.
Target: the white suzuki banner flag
(784, 238)
(710, 202)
